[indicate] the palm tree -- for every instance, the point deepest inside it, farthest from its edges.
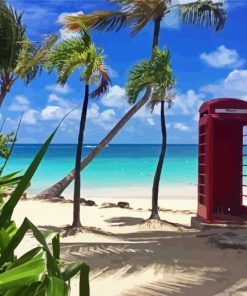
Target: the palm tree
(67, 57)
(19, 58)
(156, 73)
(136, 14)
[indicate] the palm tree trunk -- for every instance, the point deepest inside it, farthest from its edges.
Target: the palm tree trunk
(2, 97)
(156, 182)
(60, 186)
(77, 171)
(156, 32)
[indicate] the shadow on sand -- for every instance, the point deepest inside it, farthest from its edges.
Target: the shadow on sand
(186, 264)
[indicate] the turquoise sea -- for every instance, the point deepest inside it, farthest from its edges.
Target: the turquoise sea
(115, 166)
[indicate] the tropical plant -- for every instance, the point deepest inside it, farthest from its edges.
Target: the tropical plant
(7, 143)
(68, 56)
(158, 73)
(137, 14)
(39, 271)
(19, 58)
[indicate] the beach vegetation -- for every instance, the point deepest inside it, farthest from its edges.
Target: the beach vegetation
(19, 57)
(156, 73)
(39, 271)
(65, 58)
(136, 14)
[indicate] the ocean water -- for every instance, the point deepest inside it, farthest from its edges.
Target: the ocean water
(115, 166)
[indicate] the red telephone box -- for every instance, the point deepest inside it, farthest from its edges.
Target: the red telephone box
(222, 162)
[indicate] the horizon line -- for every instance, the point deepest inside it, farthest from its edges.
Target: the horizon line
(95, 144)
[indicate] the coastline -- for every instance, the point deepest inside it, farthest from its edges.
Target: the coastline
(132, 192)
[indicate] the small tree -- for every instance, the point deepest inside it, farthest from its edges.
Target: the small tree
(68, 56)
(19, 58)
(158, 74)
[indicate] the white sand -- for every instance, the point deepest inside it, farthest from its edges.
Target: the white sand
(128, 259)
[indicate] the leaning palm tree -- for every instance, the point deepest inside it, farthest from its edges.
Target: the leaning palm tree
(156, 73)
(137, 14)
(19, 58)
(68, 56)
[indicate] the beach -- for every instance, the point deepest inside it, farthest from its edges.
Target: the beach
(128, 258)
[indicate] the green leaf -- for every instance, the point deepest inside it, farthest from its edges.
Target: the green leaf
(4, 239)
(12, 146)
(26, 257)
(83, 268)
(28, 272)
(56, 287)
(30, 290)
(25, 180)
(6, 235)
(52, 266)
(8, 177)
(10, 182)
(16, 195)
(56, 247)
(53, 238)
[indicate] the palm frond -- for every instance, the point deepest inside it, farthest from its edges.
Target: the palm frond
(12, 33)
(99, 20)
(66, 57)
(139, 78)
(77, 53)
(203, 12)
(156, 73)
(134, 13)
(93, 60)
(104, 84)
(31, 58)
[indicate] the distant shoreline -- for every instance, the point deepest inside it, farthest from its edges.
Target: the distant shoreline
(95, 144)
(185, 192)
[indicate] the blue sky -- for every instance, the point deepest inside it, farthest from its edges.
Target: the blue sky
(206, 64)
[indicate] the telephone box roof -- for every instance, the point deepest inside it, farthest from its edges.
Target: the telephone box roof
(223, 103)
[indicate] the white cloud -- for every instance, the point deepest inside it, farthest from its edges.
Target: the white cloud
(146, 115)
(93, 111)
(52, 113)
(104, 119)
(30, 117)
(234, 85)
(59, 89)
(184, 104)
(181, 126)
(60, 101)
(151, 121)
(19, 104)
(116, 98)
(187, 103)
(59, 107)
(222, 57)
